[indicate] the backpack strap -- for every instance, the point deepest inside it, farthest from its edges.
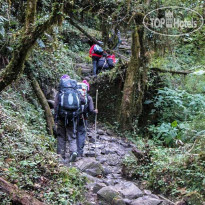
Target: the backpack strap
(75, 122)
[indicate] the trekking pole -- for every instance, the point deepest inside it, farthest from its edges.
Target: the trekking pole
(86, 134)
(96, 107)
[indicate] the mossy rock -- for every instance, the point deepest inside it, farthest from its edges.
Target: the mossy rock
(107, 194)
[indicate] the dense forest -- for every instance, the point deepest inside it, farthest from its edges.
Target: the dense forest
(146, 142)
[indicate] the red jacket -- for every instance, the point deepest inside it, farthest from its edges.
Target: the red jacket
(91, 52)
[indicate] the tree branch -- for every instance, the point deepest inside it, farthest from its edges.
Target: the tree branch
(25, 43)
(18, 196)
(171, 71)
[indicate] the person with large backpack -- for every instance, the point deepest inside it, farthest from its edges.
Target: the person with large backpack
(96, 52)
(88, 108)
(67, 108)
(106, 63)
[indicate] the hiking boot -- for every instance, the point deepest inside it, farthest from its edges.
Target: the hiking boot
(73, 157)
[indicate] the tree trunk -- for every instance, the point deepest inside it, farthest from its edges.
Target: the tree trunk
(25, 43)
(43, 101)
(30, 13)
(104, 29)
(18, 196)
(129, 90)
(135, 82)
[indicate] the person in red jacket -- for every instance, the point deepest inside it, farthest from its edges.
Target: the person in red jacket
(95, 56)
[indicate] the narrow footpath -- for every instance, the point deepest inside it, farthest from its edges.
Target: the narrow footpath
(106, 185)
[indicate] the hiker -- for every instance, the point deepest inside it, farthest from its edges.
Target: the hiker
(96, 52)
(88, 108)
(108, 62)
(67, 106)
(111, 60)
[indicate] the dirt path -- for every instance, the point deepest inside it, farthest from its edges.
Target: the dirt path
(106, 184)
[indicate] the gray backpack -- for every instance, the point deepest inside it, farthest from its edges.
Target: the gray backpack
(69, 98)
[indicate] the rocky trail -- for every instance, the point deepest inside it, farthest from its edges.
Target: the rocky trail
(106, 185)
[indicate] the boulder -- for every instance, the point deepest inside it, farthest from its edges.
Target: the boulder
(146, 200)
(100, 132)
(98, 186)
(91, 167)
(108, 151)
(90, 154)
(107, 194)
(128, 190)
(109, 132)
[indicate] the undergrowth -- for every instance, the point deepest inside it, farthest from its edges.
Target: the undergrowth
(27, 154)
(175, 144)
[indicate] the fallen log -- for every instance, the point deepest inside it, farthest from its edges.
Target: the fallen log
(18, 196)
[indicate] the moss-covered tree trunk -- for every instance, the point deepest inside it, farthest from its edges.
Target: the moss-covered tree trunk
(30, 13)
(105, 31)
(129, 90)
(43, 101)
(24, 44)
(18, 196)
(135, 81)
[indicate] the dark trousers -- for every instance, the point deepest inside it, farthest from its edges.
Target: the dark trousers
(81, 135)
(64, 134)
(95, 60)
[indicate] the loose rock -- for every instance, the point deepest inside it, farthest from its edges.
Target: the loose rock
(146, 200)
(110, 132)
(91, 167)
(128, 190)
(107, 194)
(100, 132)
(90, 154)
(98, 186)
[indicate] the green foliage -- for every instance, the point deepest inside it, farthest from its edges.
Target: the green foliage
(27, 154)
(50, 66)
(179, 111)
(165, 132)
